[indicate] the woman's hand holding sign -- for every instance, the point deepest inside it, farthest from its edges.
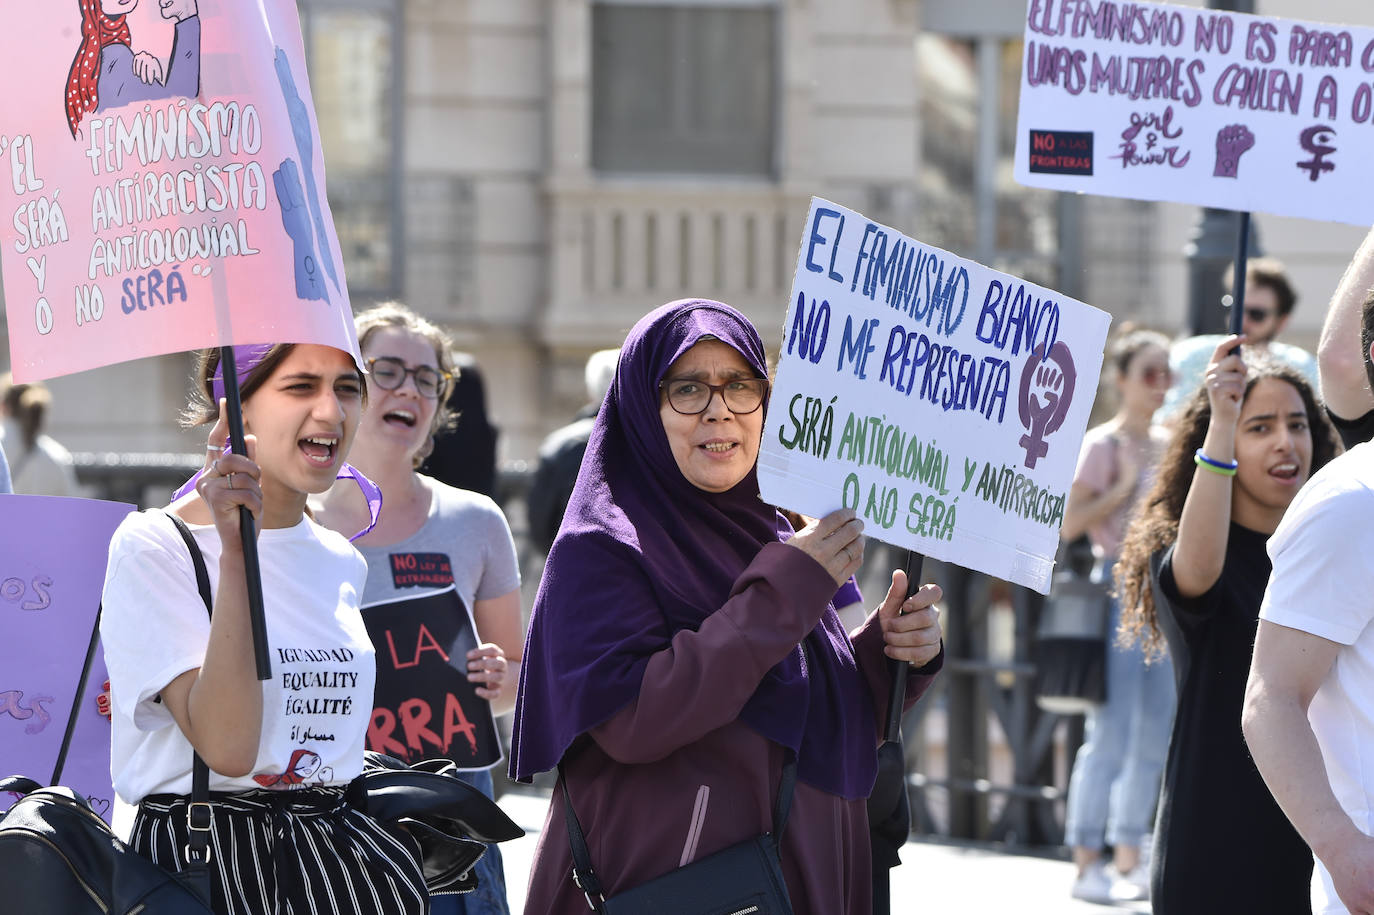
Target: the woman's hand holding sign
(911, 625)
(835, 541)
(230, 481)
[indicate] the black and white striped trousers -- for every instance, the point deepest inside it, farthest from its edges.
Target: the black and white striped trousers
(300, 852)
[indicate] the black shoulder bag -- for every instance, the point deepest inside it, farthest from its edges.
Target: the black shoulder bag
(58, 857)
(744, 878)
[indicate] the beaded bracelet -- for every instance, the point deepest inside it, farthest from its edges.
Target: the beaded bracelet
(1225, 468)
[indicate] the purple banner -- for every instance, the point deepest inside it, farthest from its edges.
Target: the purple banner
(52, 567)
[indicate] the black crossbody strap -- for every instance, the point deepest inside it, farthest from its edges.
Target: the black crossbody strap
(584, 875)
(198, 812)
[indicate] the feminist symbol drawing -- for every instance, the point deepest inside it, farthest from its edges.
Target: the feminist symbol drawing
(1043, 402)
(1317, 140)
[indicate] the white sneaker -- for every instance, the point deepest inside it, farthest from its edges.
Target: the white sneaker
(1094, 885)
(1132, 886)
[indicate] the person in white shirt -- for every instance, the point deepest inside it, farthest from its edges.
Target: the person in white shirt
(39, 465)
(1309, 703)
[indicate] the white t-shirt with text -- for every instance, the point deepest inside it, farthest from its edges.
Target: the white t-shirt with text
(154, 627)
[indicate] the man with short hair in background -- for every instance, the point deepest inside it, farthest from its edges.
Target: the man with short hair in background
(560, 455)
(1269, 301)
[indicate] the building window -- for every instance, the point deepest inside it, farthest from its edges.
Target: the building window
(684, 88)
(351, 49)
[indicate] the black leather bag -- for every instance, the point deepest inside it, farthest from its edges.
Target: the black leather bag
(1071, 645)
(58, 857)
(743, 879)
(451, 820)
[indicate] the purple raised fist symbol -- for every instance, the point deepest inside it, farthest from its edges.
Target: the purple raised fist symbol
(1233, 141)
(1046, 392)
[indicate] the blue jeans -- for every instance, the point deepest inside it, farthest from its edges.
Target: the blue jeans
(1114, 787)
(490, 896)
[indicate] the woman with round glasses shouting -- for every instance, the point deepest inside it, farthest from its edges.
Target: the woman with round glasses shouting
(685, 652)
(442, 598)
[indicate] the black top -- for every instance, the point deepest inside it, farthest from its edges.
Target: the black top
(1221, 842)
(1353, 431)
(560, 459)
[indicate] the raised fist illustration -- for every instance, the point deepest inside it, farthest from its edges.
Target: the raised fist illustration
(1233, 141)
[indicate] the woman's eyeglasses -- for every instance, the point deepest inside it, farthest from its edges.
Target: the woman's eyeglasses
(389, 373)
(689, 396)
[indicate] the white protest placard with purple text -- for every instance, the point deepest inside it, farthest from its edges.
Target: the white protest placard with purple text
(1159, 102)
(942, 400)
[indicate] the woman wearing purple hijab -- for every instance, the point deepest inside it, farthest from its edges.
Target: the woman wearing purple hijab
(684, 643)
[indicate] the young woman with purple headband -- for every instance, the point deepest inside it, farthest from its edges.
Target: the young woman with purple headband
(282, 751)
(684, 648)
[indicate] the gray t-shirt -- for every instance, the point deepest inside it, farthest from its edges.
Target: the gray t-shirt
(469, 531)
(417, 605)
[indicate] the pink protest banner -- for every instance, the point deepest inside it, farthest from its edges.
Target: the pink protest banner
(52, 567)
(163, 184)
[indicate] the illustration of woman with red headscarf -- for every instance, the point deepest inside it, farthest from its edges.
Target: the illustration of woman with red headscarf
(108, 73)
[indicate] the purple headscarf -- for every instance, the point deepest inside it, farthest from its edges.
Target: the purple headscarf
(643, 554)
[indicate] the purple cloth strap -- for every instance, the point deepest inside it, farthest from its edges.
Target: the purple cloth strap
(371, 492)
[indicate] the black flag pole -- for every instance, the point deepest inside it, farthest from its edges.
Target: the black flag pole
(247, 527)
(1238, 281)
(889, 810)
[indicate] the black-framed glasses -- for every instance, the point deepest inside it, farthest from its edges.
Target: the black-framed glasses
(690, 396)
(389, 373)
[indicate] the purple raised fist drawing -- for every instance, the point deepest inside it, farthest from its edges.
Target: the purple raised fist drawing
(1046, 392)
(1233, 141)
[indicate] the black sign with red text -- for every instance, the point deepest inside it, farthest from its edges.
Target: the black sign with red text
(421, 570)
(424, 705)
(1061, 152)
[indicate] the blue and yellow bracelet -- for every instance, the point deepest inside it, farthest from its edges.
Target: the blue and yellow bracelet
(1225, 468)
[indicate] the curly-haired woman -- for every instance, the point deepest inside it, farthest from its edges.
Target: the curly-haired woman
(1192, 573)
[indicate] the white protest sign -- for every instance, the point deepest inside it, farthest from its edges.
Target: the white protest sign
(943, 401)
(1159, 102)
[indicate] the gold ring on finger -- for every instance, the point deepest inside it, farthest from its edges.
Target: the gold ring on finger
(231, 481)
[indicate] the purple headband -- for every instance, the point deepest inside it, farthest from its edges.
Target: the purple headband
(246, 358)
